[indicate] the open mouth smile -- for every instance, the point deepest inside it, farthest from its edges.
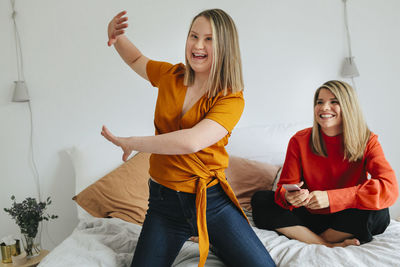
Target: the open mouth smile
(199, 56)
(327, 116)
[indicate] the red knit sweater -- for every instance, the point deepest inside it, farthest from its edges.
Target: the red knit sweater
(347, 183)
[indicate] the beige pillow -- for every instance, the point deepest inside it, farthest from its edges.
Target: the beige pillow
(123, 193)
(248, 176)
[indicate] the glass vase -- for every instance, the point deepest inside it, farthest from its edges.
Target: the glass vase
(31, 245)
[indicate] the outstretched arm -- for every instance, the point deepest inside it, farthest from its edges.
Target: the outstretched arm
(125, 48)
(186, 141)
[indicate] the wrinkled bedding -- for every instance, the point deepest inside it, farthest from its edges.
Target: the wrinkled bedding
(111, 242)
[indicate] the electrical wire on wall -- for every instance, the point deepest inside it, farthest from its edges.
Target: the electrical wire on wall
(21, 95)
(21, 78)
(349, 69)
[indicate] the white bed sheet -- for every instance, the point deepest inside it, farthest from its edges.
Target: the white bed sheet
(111, 242)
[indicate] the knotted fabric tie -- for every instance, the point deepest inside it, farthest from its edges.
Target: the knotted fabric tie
(201, 209)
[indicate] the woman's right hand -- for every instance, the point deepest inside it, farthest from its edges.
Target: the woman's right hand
(116, 27)
(122, 142)
(298, 198)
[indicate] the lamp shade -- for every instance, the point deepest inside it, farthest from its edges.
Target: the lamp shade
(20, 92)
(349, 69)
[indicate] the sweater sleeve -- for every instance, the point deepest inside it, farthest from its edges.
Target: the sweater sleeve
(291, 173)
(378, 192)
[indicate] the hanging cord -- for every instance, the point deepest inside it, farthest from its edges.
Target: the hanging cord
(20, 65)
(21, 77)
(346, 24)
(32, 156)
(353, 82)
(37, 181)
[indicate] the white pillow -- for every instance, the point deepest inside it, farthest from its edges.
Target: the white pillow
(91, 162)
(265, 143)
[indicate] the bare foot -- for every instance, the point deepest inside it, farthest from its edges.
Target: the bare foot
(194, 239)
(347, 242)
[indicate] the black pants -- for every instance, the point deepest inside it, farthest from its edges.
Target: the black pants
(363, 224)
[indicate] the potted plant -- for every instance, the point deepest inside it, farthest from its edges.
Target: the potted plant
(28, 215)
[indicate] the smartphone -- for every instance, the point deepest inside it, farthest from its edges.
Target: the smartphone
(291, 187)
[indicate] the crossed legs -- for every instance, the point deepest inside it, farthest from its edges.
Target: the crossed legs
(299, 225)
(329, 238)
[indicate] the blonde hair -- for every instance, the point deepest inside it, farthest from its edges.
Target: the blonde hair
(355, 130)
(226, 69)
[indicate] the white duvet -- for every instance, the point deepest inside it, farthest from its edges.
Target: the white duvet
(111, 242)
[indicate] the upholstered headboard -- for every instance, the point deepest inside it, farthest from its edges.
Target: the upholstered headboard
(266, 143)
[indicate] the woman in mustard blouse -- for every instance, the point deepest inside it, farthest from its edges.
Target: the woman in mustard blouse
(198, 105)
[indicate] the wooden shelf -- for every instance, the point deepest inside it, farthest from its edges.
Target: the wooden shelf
(32, 262)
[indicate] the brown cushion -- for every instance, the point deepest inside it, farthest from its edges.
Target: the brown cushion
(248, 176)
(123, 193)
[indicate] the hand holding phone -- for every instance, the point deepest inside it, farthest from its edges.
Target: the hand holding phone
(291, 187)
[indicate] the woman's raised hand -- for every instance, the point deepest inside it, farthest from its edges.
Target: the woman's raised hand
(116, 27)
(122, 142)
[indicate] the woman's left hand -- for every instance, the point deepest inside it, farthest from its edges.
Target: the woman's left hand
(122, 142)
(318, 200)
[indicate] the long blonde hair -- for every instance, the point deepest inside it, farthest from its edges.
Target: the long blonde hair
(226, 70)
(355, 130)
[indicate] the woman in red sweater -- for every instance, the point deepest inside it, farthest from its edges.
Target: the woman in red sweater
(347, 184)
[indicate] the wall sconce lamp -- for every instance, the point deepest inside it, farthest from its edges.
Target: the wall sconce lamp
(349, 69)
(20, 92)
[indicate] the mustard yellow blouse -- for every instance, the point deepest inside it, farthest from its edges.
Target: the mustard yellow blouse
(192, 173)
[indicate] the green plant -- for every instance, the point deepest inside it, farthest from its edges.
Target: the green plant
(28, 214)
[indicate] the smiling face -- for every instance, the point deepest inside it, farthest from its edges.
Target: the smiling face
(199, 46)
(327, 113)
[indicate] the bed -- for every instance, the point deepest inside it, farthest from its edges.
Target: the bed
(99, 241)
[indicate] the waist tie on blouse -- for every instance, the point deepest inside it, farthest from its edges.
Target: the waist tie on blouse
(201, 207)
(198, 185)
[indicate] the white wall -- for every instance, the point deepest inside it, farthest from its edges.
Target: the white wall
(77, 83)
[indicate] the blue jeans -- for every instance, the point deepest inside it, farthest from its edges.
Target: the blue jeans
(171, 220)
